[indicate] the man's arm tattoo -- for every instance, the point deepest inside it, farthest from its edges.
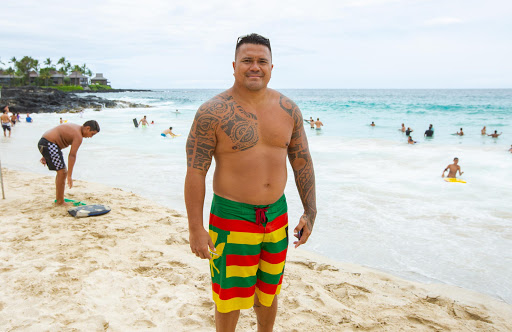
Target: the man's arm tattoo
(300, 159)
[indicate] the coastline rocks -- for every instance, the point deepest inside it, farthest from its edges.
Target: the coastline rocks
(43, 100)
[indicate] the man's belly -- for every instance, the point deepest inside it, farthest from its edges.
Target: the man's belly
(257, 183)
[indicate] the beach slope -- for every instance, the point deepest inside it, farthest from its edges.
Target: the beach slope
(132, 269)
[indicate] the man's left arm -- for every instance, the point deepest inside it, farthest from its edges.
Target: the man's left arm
(72, 158)
(302, 165)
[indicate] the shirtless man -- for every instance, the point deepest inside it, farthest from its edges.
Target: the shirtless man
(13, 119)
(311, 122)
(510, 150)
(249, 130)
(453, 168)
(460, 133)
(403, 128)
(58, 138)
(484, 132)
(168, 132)
(6, 120)
(144, 121)
(373, 124)
(318, 124)
(495, 135)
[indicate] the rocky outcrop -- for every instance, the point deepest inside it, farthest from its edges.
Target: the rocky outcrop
(38, 100)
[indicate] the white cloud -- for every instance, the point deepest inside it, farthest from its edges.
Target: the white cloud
(443, 21)
(324, 43)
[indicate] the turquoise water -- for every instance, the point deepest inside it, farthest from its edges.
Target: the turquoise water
(381, 202)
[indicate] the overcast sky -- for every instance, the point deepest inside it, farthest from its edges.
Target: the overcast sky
(315, 44)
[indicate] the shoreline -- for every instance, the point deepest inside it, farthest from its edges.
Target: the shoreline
(133, 268)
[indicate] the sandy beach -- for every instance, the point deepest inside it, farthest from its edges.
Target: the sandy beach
(132, 269)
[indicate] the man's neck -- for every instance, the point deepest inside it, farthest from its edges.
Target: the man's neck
(247, 96)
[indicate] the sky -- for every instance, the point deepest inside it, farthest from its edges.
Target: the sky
(321, 44)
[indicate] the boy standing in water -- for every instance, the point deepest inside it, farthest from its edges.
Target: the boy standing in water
(58, 138)
(453, 168)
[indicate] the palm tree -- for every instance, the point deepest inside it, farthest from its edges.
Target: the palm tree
(10, 72)
(48, 70)
(45, 74)
(64, 66)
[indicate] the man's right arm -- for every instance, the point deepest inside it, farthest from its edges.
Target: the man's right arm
(201, 144)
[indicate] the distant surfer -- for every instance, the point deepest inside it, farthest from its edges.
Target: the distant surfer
(318, 124)
(408, 131)
(429, 132)
(484, 132)
(51, 145)
(403, 128)
(168, 132)
(144, 121)
(411, 141)
(495, 135)
(460, 133)
(373, 124)
(453, 168)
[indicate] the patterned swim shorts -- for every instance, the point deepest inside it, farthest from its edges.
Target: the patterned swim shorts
(251, 243)
(52, 154)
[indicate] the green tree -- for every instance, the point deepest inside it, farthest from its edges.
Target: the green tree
(65, 66)
(45, 74)
(24, 66)
(11, 73)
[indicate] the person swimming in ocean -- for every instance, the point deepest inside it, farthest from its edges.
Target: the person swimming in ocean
(411, 141)
(495, 135)
(144, 121)
(460, 133)
(429, 132)
(403, 128)
(408, 131)
(453, 168)
(484, 132)
(311, 122)
(318, 124)
(168, 132)
(373, 124)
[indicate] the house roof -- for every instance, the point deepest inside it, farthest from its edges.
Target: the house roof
(77, 74)
(99, 76)
(33, 73)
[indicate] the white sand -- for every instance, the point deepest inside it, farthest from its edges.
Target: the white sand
(132, 269)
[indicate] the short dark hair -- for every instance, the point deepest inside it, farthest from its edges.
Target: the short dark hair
(3, 107)
(93, 125)
(253, 38)
(170, 128)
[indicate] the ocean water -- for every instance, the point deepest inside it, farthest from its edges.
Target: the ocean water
(381, 202)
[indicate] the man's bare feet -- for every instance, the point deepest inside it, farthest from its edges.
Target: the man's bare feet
(62, 204)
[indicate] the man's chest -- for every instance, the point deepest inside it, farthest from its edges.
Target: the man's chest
(244, 130)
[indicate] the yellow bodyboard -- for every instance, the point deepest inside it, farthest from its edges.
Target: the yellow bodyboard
(454, 180)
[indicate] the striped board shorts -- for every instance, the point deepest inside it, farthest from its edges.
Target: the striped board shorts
(251, 243)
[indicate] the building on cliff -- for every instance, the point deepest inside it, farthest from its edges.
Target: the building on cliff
(99, 79)
(77, 78)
